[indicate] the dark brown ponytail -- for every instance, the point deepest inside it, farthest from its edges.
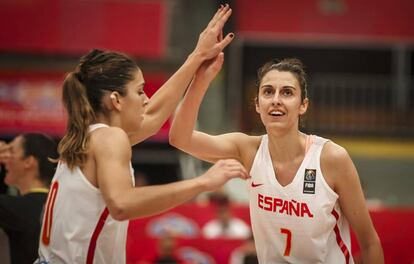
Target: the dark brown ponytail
(98, 72)
(72, 147)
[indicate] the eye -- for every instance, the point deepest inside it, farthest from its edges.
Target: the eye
(287, 92)
(141, 92)
(268, 91)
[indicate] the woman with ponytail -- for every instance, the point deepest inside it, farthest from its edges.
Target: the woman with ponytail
(92, 194)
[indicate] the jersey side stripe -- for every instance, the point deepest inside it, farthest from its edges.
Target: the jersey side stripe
(339, 240)
(95, 235)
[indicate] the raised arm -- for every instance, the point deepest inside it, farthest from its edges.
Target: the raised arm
(166, 99)
(201, 145)
(335, 161)
(112, 153)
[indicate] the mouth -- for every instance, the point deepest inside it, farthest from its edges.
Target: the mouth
(276, 113)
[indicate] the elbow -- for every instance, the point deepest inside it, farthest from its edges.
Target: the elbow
(174, 140)
(118, 211)
(178, 142)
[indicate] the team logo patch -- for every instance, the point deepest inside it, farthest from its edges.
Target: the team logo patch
(309, 181)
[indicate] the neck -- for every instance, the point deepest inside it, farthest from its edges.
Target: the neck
(110, 121)
(287, 146)
(28, 186)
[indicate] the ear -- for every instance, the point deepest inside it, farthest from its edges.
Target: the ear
(304, 106)
(256, 102)
(29, 162)
(115, 100)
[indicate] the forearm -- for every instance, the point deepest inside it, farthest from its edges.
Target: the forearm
(186, 117)
(373, 254)
(163, 103)
(145, 201)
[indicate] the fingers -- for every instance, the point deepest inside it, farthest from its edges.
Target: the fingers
(223, 17)
(215, 17)
(239, 173)
(221, 12)
(220, 58)
(220, 37)
(226, 41)
(216, 63)
(236, 169)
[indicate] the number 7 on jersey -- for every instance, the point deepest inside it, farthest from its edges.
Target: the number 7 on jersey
(288, 240)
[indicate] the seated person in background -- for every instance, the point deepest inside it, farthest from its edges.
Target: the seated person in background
(166, 254)
(225, 225)
(245, 254)
(29, 170)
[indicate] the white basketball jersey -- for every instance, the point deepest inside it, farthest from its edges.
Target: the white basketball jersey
(77, 227)
(300, 222)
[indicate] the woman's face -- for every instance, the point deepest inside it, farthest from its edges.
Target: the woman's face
(15, 165)
(279, 100)
(134, 103)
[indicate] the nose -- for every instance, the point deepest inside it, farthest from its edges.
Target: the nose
(146, 100)
(276, 99)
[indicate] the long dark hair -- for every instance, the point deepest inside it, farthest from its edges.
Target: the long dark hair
(97, 72)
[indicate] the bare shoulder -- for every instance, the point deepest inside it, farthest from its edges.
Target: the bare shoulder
(248, 148)
(333, 153)
(335, 164)
(109, 138)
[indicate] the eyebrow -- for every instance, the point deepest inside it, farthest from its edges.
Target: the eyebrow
(288, 86)
(271, 86)
(266, 86)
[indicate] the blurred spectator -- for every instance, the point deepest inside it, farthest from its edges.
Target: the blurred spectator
(29, 170)
(166, 248)
(245, 254)
(225, 225)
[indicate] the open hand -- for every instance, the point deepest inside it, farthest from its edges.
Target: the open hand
(211, 41)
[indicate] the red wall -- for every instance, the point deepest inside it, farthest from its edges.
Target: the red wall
(302, 19)
(74, 27)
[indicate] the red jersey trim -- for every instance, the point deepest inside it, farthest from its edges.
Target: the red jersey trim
(339, 240)
(95, 235)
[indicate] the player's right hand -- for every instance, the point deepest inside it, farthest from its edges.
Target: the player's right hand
(211, 42)
(221, 172)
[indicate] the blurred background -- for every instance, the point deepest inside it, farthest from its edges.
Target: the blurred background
(359, 56)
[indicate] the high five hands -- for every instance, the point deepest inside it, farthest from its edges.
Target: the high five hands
(211, 42)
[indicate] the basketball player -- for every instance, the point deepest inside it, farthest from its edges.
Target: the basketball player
(304, 189)
(92, 193)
